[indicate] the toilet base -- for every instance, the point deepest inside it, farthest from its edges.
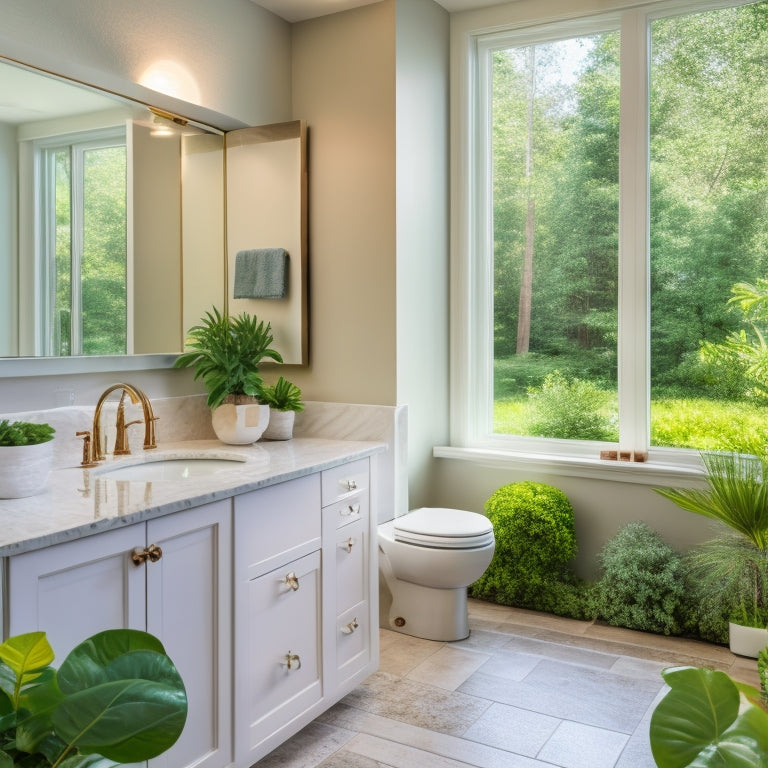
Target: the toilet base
(427, 612)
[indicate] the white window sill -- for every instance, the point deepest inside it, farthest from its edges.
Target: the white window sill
(646, 473)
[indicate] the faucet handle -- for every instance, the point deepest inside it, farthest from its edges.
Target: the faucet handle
(88, 457)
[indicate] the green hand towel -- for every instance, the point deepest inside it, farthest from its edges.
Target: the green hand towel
(261, 274)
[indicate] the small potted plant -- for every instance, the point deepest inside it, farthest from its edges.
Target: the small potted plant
(26, 455)
(284, 401)
(116, 698)
(732, 567)
(226, 353)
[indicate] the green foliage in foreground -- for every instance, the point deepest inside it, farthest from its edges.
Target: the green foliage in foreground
(708, 720)
(535, 539)
(24, 433)
(117, 698)
(642, 585)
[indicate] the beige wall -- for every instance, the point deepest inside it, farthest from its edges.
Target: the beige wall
(344, 87)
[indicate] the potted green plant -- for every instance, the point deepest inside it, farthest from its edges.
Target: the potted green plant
(26, 455)
(284, 401)
(116, 698)
(226, 353)
(732, 568)
(707, 719)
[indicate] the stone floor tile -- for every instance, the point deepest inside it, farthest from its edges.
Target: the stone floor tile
(345, 759)
(308, 748)
(570, 692)
(481, 640)
(574, 745)
(461, 749)
(399, 653)
(568, 653)
(510, 665)
(396, 755)
(631, 667)
(513, 729)
(417, 703)
(448, 668)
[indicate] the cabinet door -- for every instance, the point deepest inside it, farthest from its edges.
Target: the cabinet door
(279, 664)
(75, 589)
(189, 609)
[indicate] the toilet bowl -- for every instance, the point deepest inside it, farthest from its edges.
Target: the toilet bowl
(427, 559)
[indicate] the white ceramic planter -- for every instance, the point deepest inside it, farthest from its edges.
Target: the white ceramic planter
(747, 641)
(24, 469)
(240, 424)
(280, 425)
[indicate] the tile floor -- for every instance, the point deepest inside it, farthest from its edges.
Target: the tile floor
(525, 690)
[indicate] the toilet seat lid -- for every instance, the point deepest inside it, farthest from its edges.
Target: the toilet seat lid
(443, 528)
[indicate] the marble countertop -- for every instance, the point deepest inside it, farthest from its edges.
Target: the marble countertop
(80, 502)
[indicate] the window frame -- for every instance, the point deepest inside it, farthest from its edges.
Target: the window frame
(76, 144)
(471, 332)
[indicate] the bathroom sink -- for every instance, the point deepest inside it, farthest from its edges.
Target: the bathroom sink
(171, 469)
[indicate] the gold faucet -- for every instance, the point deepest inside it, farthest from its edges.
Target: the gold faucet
(94, 445)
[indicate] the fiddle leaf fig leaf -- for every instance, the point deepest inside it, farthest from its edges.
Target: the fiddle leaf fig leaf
(27, 656)
(125, 720)
(700, 722)
(88, 664)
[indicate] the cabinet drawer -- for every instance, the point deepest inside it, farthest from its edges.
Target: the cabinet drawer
(349, 510)
(276, 524)
(351, 565)
(340, 482)
(283, 625)
(353, 648)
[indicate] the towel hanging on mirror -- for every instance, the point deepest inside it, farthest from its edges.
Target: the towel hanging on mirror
(261, 273)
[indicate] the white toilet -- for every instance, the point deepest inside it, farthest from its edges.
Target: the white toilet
(427, 559)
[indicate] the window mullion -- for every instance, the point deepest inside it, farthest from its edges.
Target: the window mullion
(634, 305)
(77, 234)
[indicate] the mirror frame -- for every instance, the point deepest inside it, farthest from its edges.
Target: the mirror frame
(12, 367)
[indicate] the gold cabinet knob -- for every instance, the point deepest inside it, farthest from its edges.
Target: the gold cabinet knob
(348, 544)
(140, 555)
(349, 510)
(348, 629)
(291, 661)
(291, 580)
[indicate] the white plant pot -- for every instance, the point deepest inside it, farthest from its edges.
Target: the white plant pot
(24, 469)
(747, 641)
(280, 425)
(240, 424)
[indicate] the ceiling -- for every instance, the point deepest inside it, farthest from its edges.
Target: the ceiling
(300, 10)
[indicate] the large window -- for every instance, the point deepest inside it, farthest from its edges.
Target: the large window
(82, 244)
(613, 262)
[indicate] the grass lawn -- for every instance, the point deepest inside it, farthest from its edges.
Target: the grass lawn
(678, 423)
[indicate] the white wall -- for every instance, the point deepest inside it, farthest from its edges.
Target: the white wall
(422, 234)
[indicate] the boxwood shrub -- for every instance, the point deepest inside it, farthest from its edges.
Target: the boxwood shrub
(535, 539)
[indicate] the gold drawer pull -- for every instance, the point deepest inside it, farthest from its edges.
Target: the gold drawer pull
(349, 510)
(348, 629)
(291, 580)
(291, 661)
(350, 485)
(152, 553)
(348, 544)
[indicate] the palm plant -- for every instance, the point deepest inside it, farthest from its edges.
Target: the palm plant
(226, 353)
(733, 566)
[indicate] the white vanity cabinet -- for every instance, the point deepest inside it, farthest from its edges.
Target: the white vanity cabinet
(266, 600)
(75, 589)
(303, 608)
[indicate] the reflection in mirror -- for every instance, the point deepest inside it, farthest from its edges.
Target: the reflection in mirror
(111, 221)
(267, 231)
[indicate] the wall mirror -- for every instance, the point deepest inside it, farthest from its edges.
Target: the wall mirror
(112, 228)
